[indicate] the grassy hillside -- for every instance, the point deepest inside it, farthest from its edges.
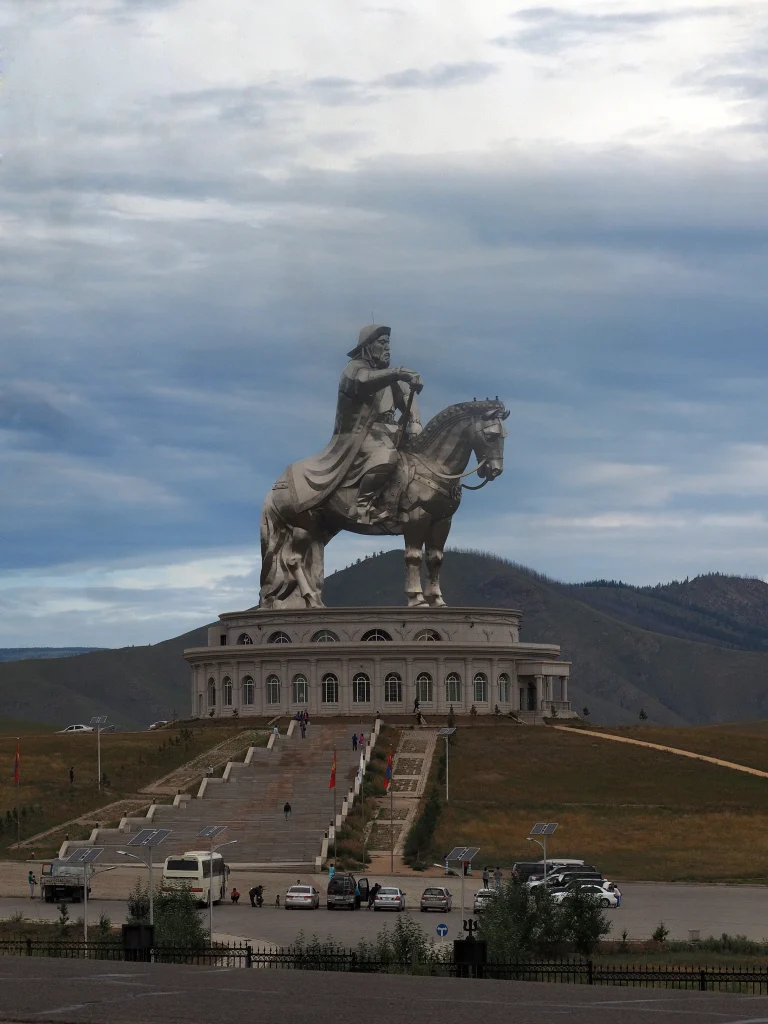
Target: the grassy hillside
(635, 813)
(617, 668)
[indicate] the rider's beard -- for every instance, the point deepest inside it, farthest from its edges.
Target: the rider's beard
(380, 359)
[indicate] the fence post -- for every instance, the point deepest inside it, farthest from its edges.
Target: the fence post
(590, 973)
(249, 956)
(29, 947)
(353, 961)
(703, 980)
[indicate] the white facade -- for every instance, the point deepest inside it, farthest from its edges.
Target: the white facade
(353, 661)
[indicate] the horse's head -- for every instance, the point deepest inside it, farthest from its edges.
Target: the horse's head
(489, 438)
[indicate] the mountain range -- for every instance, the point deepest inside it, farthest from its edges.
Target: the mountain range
(688, 652)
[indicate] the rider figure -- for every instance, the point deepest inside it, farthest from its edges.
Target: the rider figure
(370, 395)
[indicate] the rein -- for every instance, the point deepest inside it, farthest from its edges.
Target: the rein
(455, 476)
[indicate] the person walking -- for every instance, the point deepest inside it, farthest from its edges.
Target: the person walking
(486, 878)
(32, 883)
(416, 706)
(71, 776)
(372, 894)
(354, 741)
(498, 874)
(303, 729)
(617, 894)
(331, 871)
(287, 810)
(361, 742)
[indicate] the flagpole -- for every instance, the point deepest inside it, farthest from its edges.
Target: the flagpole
(335, 830)
(391, 819)
(18, 806)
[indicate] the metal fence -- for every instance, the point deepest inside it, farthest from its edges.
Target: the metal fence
(215, 956)
(752, 980)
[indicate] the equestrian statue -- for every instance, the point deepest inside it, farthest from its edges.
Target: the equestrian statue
(380, 473)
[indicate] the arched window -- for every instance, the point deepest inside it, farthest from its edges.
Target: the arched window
(325, 636)
(481, 687)
(248, 690)
(361, 689)
(244, 639)
(428, 634)
(453, 688)
(300, 690)
(330, 689)
(279, 638)
(376, 635)
(393, 689)
(211, 693)
(226, 691)
(504, 687)
(424, 688)
(273, 689)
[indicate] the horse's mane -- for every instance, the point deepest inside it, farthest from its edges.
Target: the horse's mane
(447, 417)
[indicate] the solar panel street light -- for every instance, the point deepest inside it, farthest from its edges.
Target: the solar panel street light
(83, 858)
(147, 838)
(543, 829)
(461, 855)
(446, 733)
(210, 832)
(98, 721)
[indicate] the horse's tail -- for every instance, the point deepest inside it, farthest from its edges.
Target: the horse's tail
(276, 581)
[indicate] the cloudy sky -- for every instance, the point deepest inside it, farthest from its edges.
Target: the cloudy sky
(201, 202)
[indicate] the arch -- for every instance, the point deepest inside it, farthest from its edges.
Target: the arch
(226, 691)
(480, 683)
(424, 691)
(273, 689)
(504, 687)
(248, 689)
(453, 688)
(211, 692)
(361, 689)
(325, 636)
(300, 689)
(244, 638)
(329, 686)
(279, 637)
(376, 635)
(428, 634)
(393, 688)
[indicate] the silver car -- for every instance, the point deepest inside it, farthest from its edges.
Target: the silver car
(389, 898)
(436, 897)
(483, 897)
(302, 897)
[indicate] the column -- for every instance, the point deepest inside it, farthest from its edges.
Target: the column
(345, 685)
(467, 689)
(377, 696)
(439, 694)
(409, 685)
(539, 692)
(563, 687)
(494, 690)
(285, 688)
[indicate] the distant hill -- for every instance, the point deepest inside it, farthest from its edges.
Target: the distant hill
(693, 652)
(27, 653)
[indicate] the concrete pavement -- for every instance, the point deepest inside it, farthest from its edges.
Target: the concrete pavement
(102, 992)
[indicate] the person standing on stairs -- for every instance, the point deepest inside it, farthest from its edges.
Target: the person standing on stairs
(354, 741)
(287, 810)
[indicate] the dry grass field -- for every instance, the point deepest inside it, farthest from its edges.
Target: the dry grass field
(131, 760)
(636, 813)
(742, 742)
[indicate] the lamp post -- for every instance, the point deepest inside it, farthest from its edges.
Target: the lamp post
(145, 840)
(446, 733)
(146, 863)
(99, 723)
(543, 829)
(543, 844)
(210, 887)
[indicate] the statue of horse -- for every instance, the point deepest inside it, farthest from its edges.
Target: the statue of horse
(424, 494)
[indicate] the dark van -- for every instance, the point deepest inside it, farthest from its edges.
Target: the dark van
(346, 893)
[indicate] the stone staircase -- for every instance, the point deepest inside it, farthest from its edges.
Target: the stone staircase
(249, 800)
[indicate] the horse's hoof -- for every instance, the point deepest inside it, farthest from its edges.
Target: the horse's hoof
(436, 602)
(417, 601)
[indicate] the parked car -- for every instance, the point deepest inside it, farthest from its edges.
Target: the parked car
(525, 869)
(604, 898)
(483, 898)
(558, 879)
(158, 725)
(436, 897)
(302, 897)
(77, 728)
(389, 898)
(346, 893)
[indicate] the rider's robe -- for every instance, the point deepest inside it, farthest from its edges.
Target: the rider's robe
(363, 436)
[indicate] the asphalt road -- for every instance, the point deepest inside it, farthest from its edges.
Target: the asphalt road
(76, 992)
(711, 909)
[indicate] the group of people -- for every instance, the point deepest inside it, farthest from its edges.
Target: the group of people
(358, 742)
(302, 717)
(498, 875)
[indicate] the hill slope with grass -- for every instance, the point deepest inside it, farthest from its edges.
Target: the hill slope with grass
(686, 653)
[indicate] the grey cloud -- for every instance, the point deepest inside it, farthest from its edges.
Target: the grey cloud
(441, 76)
(550, 30)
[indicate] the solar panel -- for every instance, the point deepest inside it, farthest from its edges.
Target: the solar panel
(87, 855)
(211, 831)
(462, 853)
(100, 720)
(544, 828)
(150, 837)
(446, 732)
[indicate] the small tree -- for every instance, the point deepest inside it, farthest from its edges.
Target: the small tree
(643, 716)
(517, 921)
(585, 712)
(451, 717)
(177, 918)
(583, 922)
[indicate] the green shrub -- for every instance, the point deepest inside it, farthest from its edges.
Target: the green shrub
(421, 833)
(661, 933)
(178, 921)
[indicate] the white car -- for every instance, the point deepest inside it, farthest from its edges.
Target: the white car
(603, 896)
(482, 898)
(389, 898)
(302, 897)
(158, 725)
(77, 728)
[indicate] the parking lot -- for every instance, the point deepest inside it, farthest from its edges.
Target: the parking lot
(709, 909)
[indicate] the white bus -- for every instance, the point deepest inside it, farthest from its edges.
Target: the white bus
(193, 869)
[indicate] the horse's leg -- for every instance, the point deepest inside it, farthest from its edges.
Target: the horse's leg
(437, 535)
(301, 543)
(414, 534)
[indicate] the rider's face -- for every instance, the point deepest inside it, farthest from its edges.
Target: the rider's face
(379, 353)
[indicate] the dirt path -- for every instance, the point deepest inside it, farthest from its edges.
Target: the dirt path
(668, 750)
